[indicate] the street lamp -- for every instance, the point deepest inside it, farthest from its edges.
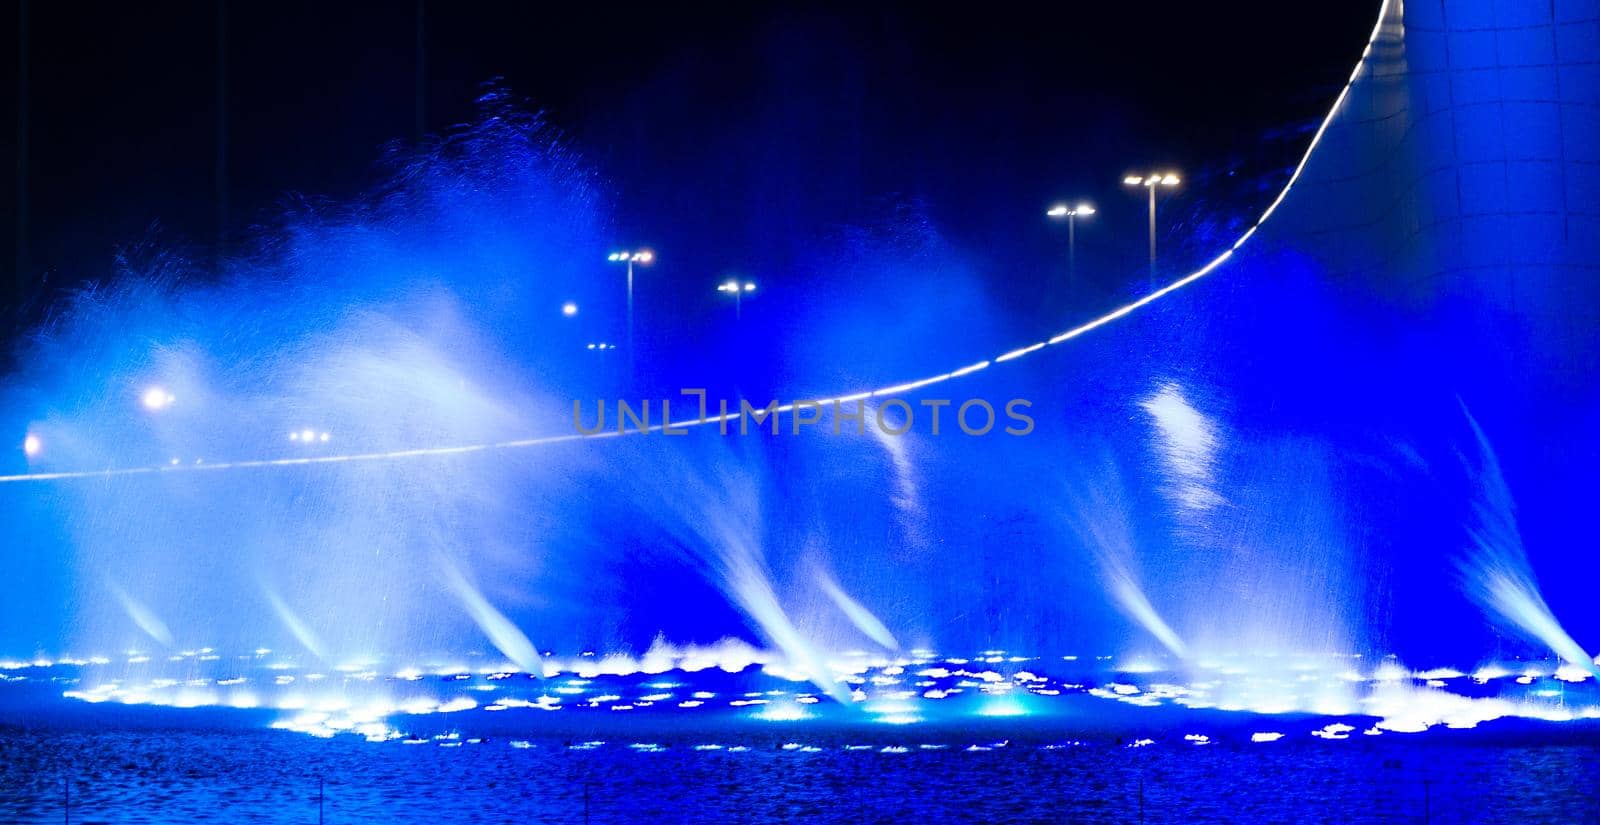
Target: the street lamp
(31, 445)
(644, 257)
(1150, 182)
(1061, 210)
(737, 289)
(569, 309)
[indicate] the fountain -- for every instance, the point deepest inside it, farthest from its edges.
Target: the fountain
(336, 486)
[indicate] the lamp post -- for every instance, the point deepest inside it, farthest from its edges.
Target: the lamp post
(607, 364)
(1150, 182)
(737, 288)
(1071, 214)
(643, 257)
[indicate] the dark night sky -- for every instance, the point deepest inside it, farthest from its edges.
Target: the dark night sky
(729, 135)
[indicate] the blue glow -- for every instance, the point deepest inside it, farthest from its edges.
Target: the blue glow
(1256, 503)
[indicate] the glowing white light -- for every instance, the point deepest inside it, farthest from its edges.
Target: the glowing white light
(1337, 730)
(1568, 672)
(1154, 179)
(1062, 211)
(1489, 672)
(783, 713)
(31, 445)
(156, 399)
(569, 309)
(1018, 353)
(1008, 706)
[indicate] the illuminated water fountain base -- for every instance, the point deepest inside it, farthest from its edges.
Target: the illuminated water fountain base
(732, 691)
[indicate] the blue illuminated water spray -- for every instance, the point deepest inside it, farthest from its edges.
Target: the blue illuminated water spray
(34, 445)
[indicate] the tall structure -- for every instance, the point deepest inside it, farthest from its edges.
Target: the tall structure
(1439, 249)
(1464, 163)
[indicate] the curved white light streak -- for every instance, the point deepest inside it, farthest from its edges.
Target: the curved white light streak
(1096, 323)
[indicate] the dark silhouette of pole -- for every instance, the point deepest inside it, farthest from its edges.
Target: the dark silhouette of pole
(737, 288)
(1152, 233)
(629, 258)
(1150, 182)
(631, 374)
(1072, 214)
(1072, 249)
